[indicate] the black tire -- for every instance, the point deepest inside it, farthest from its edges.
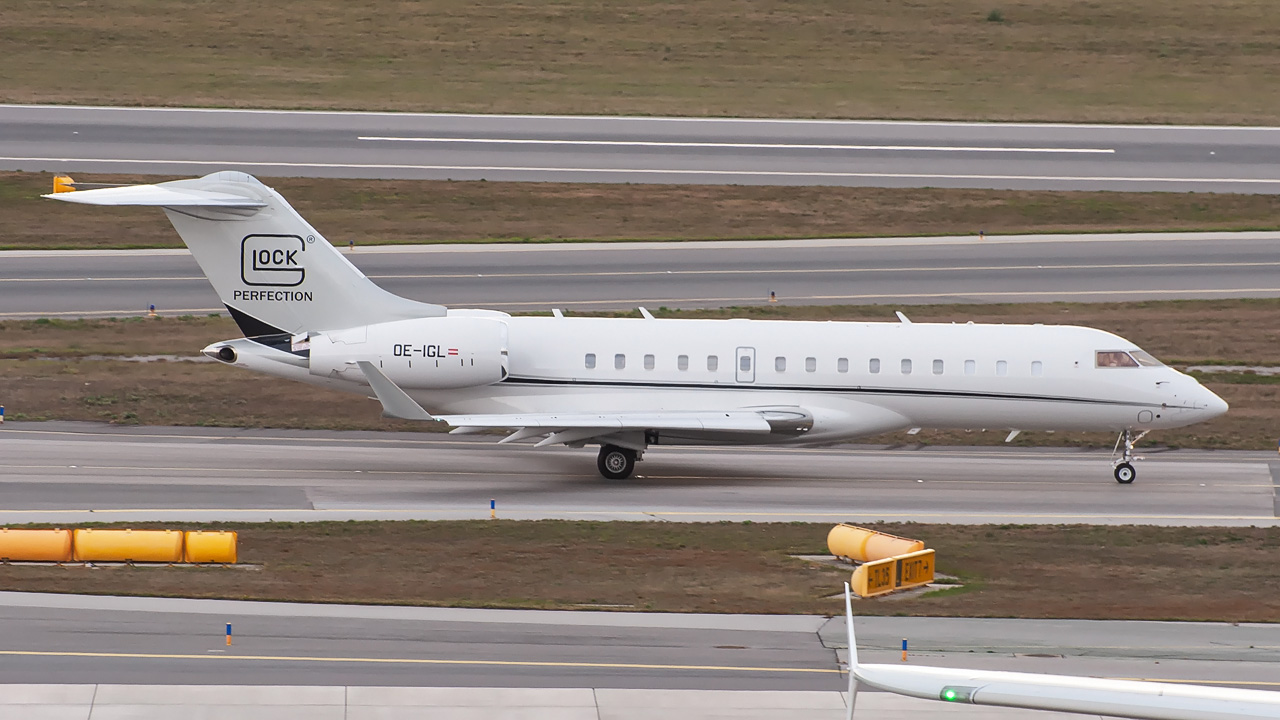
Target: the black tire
(616, 463)
(1125, 474)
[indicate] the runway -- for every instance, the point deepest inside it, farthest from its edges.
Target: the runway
(649, 150)
(78, 472)
(620, 276)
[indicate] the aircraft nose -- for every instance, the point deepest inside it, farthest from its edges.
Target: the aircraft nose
(1210, 404)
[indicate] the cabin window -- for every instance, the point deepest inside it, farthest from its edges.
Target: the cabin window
(682, 362)
(780, 364)
(1002, 367)
(874, 365)
(1037, 368)
(970, 367)
(619, 361)
(1115, 358)
(906, 366)
(648, 362)
(937, 367)
(842, 365)
(713, 363)
(591, 361)
(744, 363)
(810, 364)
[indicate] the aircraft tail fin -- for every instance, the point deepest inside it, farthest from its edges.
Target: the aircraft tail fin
(273, 271)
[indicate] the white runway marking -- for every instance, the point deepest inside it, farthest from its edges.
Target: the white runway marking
(738, 146)
(653, 171)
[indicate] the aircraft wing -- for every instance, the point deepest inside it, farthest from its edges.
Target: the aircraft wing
(579, 428)
(736, 420)
(1145, 700)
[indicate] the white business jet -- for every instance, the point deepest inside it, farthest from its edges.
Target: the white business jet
(1141, 699)
(627, 384)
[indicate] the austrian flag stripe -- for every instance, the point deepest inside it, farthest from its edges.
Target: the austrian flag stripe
(453, 351)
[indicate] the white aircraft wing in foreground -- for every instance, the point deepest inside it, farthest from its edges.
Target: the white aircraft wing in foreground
(1060, 693)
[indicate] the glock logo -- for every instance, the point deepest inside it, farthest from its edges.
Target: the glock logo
(274, 260)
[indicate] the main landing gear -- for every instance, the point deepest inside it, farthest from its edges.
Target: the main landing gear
(616, 463)
(1123, 467)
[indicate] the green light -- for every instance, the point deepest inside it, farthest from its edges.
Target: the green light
(954, 693)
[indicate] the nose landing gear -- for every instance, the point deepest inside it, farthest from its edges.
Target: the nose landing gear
(1122, 467)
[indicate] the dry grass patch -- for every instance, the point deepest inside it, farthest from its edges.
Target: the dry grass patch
(1010, 571)
(437, 211)
(1189, 61)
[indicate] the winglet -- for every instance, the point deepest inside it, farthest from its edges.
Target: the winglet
(396, 403)
(853, 651)
(63, 183)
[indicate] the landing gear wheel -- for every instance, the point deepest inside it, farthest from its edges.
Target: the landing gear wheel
(616, 463)
(1125, 473)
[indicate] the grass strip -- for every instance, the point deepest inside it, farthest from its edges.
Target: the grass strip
(426, 211)
(1037, 571)
(53, 369)
(1180, 61)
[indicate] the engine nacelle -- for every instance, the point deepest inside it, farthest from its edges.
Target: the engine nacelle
(425, 353)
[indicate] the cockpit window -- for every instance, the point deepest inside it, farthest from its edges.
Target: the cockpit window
(1115, 359)
(1145, 359)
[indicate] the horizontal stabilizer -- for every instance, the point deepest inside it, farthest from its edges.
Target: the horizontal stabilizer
(157, 196)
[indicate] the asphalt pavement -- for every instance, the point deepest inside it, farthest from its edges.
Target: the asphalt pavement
(620, 276)
(633, 149)
(166, 641)
(77, 472)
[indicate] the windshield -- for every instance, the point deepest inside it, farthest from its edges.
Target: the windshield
(1115, 359)
(1145, 359)
(1122, 358)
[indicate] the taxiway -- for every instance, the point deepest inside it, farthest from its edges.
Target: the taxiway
(619, 276)
(631, 149)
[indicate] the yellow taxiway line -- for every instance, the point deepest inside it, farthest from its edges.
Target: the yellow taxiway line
(414, 661)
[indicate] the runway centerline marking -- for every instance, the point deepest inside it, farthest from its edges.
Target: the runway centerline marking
(739, 145)
(416, 661)
(650, 171)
